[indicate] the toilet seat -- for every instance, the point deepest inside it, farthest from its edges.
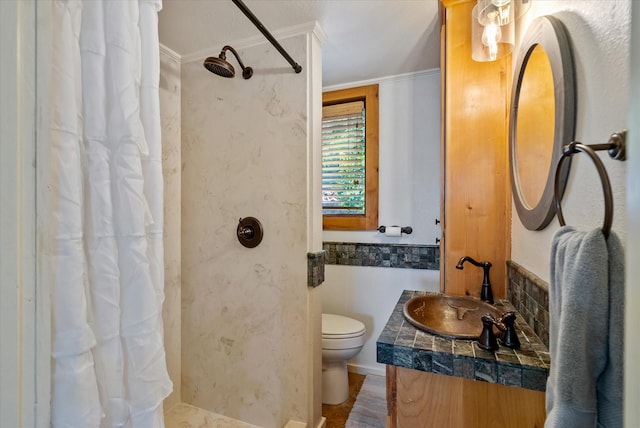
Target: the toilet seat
(339, 327)
(340, 332)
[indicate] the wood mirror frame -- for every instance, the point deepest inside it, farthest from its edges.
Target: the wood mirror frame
(549, 33)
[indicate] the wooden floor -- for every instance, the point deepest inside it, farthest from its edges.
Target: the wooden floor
(337, 415)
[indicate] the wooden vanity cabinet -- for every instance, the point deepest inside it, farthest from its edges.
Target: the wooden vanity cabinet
(417, 399)
(475, 195)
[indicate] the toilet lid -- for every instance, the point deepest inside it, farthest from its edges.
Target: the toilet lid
(334, 326)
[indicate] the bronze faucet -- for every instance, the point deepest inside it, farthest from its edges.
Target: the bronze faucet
(485, 294)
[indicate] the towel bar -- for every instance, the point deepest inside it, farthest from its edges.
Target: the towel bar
(616, 146)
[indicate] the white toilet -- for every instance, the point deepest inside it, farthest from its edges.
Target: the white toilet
(342, 338)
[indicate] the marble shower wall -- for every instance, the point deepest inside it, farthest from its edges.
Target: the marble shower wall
(170, 119)
(245, 344)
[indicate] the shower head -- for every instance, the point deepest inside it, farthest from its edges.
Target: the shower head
(219, 66)
(222, 67)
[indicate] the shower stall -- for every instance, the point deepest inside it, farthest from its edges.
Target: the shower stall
(245, 320)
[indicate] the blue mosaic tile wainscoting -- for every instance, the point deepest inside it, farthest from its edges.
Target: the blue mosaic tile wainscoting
(383, 255)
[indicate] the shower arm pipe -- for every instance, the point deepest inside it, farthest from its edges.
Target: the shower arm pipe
(296, 67)
(233, 51)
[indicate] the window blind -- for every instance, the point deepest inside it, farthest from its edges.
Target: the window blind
(343, 158)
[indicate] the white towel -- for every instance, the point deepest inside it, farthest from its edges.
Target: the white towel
(578, 310)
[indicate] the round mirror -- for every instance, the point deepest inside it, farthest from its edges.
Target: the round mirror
(542, 120)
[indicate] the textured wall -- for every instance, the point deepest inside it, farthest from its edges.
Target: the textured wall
(170, 118)
(601, 53)
(245, 311)
(632, 318)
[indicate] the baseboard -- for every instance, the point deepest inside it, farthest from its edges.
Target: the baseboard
(322, 423)
(365, 370)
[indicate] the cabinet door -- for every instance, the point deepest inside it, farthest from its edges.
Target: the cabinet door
(429, 400)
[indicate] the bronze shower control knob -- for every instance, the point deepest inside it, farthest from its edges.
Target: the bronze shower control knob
(249, 232)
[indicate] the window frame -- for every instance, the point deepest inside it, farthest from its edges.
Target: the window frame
(369, 220)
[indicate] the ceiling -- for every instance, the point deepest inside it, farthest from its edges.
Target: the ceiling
(366, 39)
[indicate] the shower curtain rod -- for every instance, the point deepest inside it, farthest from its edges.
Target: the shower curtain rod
(296, 67)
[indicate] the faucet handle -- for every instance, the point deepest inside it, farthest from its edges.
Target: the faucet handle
(508, 317)
(509, 336)
(487, 339)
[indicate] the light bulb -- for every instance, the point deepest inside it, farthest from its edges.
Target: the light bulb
(491, 35)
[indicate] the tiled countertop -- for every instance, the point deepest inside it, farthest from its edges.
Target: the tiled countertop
(401, 344)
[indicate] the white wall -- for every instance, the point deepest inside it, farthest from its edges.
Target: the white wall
(409, 175)
(600, 34)
(369, 295)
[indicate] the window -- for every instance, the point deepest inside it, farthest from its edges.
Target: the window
(350, 159)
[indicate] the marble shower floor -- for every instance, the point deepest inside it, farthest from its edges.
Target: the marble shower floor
(186, 416)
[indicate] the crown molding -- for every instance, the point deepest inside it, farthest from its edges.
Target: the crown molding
(170, 53)
(385, 79)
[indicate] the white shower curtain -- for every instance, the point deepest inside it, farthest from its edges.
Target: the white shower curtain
(109, 366)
